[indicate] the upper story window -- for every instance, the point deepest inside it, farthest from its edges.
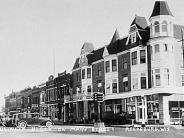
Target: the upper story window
(78, 89)
(99, 71)
(182, 80)
(166, 76)
(125, 84)
(164, 26)
(99, 85)
(77, 76)
(133, 37)
(165, 47)
(157, 77)
(107, 66)
(142, 56)
(107, 86)
(114, 65)
(89, 73)
(134, 82)
(143, 81)
(89, 88)
(134, 58)
(157, 49)
(83, 73)
(157, 27)
(114, 86)
(124, 63)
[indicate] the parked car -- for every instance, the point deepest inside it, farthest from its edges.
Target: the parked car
(22, 120)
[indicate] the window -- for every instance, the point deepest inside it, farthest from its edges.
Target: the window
(78, 89)
(143, 81)
(89, 88)
(108, 108)
(167, 70)
(152, 78)
(77, 75)
(165, 47)
(134, 58)
(99, 72)
(134, 82)
(107, 66)
(157, 28)
(133, 38)
(117, 108)
(99, 85)
(157, 77)
(107, 87)
(151, 51)
(125, 83)
(157, 50)
(164, 26)
(182, 80)
(89, 73)
(83, 74)
(114, 65)
(142, 56)
(124, 64)
(114, 86)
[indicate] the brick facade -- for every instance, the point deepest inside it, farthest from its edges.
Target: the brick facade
(124, 72)
(95, 75)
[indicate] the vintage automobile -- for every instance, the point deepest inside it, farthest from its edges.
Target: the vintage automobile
(22, 120)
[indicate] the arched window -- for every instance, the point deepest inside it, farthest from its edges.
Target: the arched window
(164, 26)
(156, 27)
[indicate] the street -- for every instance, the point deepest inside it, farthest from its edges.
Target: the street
(58, 131)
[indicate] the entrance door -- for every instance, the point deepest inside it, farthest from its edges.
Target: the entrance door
(141, 113)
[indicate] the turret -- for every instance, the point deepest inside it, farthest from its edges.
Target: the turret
(161, 20)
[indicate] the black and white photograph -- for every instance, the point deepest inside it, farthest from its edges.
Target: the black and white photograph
(92, 68)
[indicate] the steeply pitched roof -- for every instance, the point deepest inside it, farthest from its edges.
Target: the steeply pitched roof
(178, 31)
(161, 8)
(98, 54)
(115, 37)
(88, 47)
(118, 46)
(140, 22)
(76, 65)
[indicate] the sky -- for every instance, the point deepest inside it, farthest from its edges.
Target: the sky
(32, 31)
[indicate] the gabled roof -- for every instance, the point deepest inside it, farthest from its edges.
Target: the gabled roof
(161, 8)
(115, 37)
(140, 22)
(178, 31)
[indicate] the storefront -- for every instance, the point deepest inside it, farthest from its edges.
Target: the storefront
(176, 111)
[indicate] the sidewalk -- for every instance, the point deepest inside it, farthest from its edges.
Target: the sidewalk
(120, 126)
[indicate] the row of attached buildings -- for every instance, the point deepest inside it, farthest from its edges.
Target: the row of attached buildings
(141, 74)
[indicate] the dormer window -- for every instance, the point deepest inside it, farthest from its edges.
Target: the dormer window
(157, 28)
(164, 26)
(133, 37)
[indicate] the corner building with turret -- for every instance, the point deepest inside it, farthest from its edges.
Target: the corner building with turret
(141, 74)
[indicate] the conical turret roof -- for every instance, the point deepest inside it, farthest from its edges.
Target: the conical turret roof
(115, 37)
(161, 8)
